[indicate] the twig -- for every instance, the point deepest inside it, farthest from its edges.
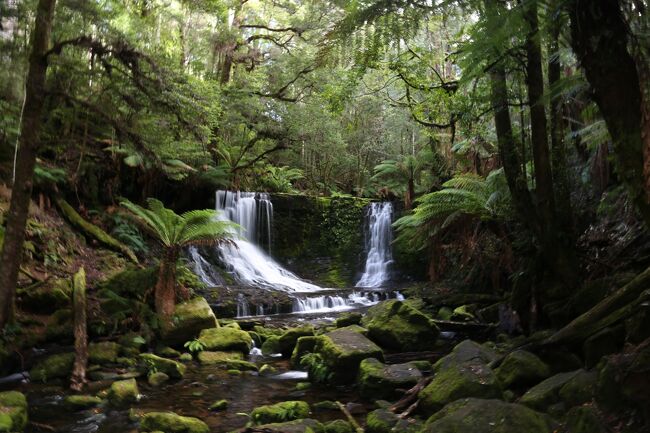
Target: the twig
(351, 420)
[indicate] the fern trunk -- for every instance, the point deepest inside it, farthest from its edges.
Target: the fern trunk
(165, 293)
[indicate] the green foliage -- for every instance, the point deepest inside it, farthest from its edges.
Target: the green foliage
(280, 179)
(194, 346)
(318, 370)
(127, 233)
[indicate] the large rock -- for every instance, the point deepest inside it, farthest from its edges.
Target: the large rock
(226, 339)
(13, 411)
(584, 419)
(287, 341)
(467, 350)
(53, 367)
(605, 342)
(81, 402)
(169, 422)
(189, 319)
(547, 392)
(580, 389)
(395, 325)
(382, 381)
(105, 352)
(487, 416)
(280, 412)
(123, 393)
(307, 425)
(304, 345)
(155, 363)
(522, 368)
(343, 350)
(212, 358)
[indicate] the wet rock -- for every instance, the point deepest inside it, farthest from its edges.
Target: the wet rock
(169, 422)
(546, 393)
(580, 389)
(487, 416)
(338, 426)
(280, 412)
(380, 381)
(605, 342)
(307, 425)
(468, 350)
(157, 379)
(13, 411)
(81, 402)
(303, 345)
(343, 351)
(173, 369)
(381, 421)
(267, 370)
(271, 345)
(190, 318)
(445, 313)
(287, 341)
(423, 365)
(52, 367)
(347, 319)
(355, 328)
(167, 352)
(521, 368)
(584, 419)
(105, 352)
(212, 358)
(238, 365)
(219, 405)
(226, 339)
(326, 405)
(123, 393)
(185, 357)
(397, 326)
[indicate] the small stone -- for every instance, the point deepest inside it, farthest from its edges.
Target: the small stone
(267, 370)
(123, 392)
(157, 379)
(301, 386)
(155, 363)
(219, 405)
(185, 357)
(167, 352)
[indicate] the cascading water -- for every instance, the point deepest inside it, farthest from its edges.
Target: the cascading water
(248, 263)
(380, 256)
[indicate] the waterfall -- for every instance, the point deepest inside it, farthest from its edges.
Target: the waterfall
(244, 257)
(380, 236)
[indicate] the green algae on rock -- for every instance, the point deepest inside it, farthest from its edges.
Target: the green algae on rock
(170, 422)
(226, 339)
(280, 412)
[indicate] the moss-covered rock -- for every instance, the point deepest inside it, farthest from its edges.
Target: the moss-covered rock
(271, 345)
(212, 358)
(226, 339)
(53, 367)
(189, 319)
(132, 282)
(343, 351)
(219, 405)
(584, 419)
(304, 345)
(522, 368)
(605, 342)
(105, 352)
(172, 368)
(47, 298)
(169, 422)
(397, 326)
(131, 343)
(167, 352)
(123, 393)
(488, 416)
(347, 319)
(280, 412)
(13, 411)
(381, 381)
(546, 393)
(81, 402)
(287, 340)
(157, 378)
(338, 426)
(381, 421)
(355, 328)
(307, 425)
(267, 370)
(580, 389)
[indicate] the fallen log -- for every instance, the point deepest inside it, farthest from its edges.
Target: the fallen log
(78, 379)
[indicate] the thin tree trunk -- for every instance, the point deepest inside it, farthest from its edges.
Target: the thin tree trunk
(78, 379)
(12, 248)
(166, 286)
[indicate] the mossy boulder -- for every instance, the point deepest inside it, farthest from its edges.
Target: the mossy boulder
(584, 419)
(343, 351)
(488, 416)
(338, 426)
(81, 402)
(271, 345)
(467, 350)
(287, 340)
(48, 298)
(381, 381)
(395, 325)
(280, 412)
(547, 392)
(355, 328)
(157, 378)
(167, 352)
(13, 411)
(173, 369)
(219, 405)
(307, 425)
(123, 393)
(347, 319)
(605, 342)
(381, 421)
(212, 358)
(189, 319)
(226, 339)
(53, 367)
(132, 282)
(304, 345)
(105, 352)
(522, 368)
(580, 389)
(170, 422)
(132, 343)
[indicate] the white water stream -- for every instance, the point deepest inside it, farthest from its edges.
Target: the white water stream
(380, 256)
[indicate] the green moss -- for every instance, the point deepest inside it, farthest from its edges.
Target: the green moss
(381, 421)
(271, 345)
(123, 392)
(52, 367)
(226, 339)
(546, 393)
(303, 345)
(219, 405)
(338, 426)
(287, 340)
(522, 368)
(382, 381)
(280, 412)
(169, 422)
(132, 282)
(189, 319)
(105, 352)
(155, 363)
(212, 358)
(13, 411)
(343, 351)
(81, 402)
(347, 319)
(157, 378)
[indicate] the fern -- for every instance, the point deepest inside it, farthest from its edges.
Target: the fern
(318, 370)
(194, 346)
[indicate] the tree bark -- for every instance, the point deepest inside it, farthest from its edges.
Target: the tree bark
(165, 292)
(78, 379)
(600, 41)
(26, 159)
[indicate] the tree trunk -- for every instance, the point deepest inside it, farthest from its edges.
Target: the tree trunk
(12, 248)
(78, 379)
(600, 41)
(165, 293)
(410, 194)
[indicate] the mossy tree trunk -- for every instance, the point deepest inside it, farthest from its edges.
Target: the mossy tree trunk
(78, 379)
(165, 292)
(30, 131)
